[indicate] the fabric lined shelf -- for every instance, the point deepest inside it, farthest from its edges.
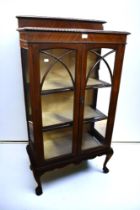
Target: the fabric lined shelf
(56, 84)
(96, 83)
(65, 117)
(89, 142)
(57, 143)
(60, 84)
(60, 143)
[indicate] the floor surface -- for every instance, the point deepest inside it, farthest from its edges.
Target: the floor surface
(81, 187)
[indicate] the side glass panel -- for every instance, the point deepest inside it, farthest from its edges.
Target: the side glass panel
(26, 79)
(57, 70)
(100, 65)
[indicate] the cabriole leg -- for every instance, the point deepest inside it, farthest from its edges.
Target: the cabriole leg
(38, 189)
(108, 156)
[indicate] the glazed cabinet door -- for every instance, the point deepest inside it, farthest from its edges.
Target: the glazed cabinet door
(97, 77)
(58, 66)
(51, 75)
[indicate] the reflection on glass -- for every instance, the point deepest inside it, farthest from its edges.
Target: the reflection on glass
(57, 143)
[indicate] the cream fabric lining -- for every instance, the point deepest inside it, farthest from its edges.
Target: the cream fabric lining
(60, 82)
(89, 141)
(57, 108)
(58, 77)
(59, 142)
(63, 116)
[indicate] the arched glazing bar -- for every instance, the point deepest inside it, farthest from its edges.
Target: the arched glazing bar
(104, 60)
(57, 59)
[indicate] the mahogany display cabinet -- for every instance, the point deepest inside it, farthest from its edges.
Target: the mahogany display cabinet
(71, 73)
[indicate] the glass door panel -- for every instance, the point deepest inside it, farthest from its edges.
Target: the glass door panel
(57, 70)
(57, 109)
(57, 81)
(57, 142)
(94, 60)
(99, 72)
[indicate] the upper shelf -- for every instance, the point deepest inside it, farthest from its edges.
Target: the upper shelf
(64, 118)
(60, 85)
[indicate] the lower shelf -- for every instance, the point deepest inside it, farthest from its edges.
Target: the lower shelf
(89, 142)
(57, 143)
(65, 116)
(58, 83)
(60, 143)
